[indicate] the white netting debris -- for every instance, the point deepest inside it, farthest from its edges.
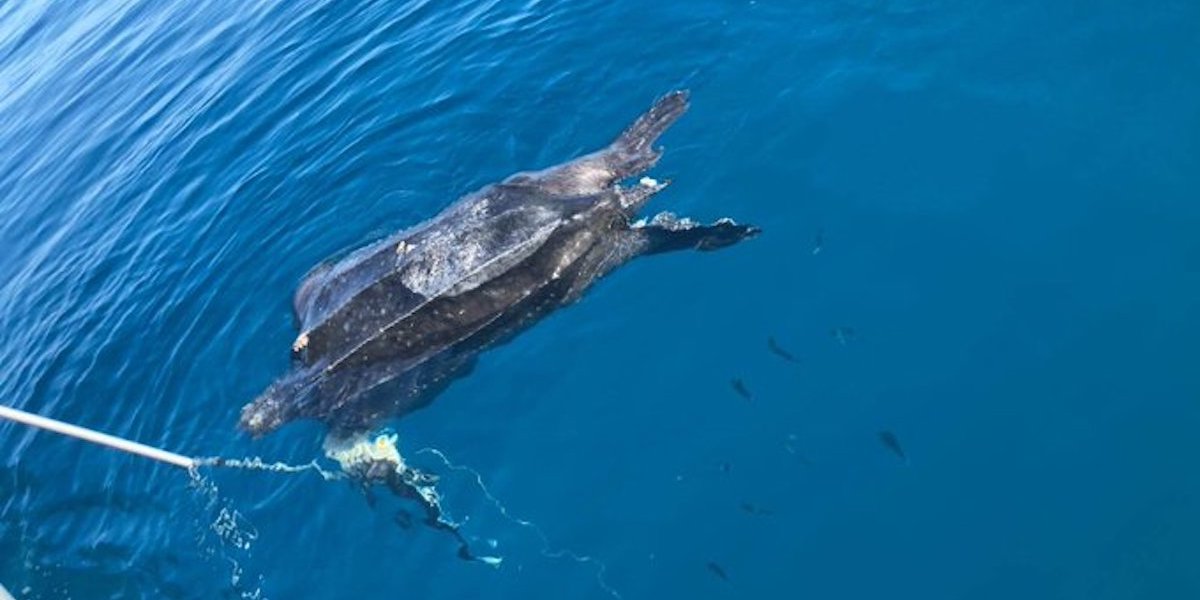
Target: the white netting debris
(358, 451)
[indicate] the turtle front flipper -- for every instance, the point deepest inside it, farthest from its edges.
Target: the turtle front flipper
(667, 232)
(633, 152)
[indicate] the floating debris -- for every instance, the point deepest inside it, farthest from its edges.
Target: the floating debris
(377, 461)
(778, 350)
(739, 386)
(547, 551)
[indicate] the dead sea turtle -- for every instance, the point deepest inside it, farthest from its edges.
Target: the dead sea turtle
(386, 328)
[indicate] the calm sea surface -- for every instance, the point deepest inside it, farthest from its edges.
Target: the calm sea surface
(981, 233)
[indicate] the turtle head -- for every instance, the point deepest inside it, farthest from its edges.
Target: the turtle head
(276, 406)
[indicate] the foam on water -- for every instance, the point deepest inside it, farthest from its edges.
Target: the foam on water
(235, 536)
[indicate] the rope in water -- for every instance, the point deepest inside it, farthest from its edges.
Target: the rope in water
(95, 437)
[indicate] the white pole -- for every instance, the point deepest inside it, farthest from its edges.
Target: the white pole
(95, 437)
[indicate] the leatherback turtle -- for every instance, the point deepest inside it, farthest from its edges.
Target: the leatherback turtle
(385, 329)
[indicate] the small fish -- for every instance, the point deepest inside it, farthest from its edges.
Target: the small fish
(403, 519)
(843, 334)
(756, 510)
(892, 443)
(739, 386)
(716, 569)
(819, 242)
(778, 350)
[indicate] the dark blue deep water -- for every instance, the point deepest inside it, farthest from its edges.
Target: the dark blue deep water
(1007, 200)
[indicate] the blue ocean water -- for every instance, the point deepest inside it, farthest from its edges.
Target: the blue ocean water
(1004, 198)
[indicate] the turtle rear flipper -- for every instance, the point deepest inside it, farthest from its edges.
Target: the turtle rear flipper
(666, 233)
